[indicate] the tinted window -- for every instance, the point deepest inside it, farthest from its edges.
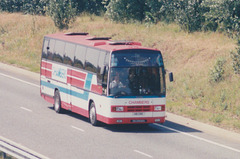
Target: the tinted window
(104, 71)
(106, 64)
(136, 58)
(100, 68)
(69, 53)
(91, 61)
(51, 48)
(79, 57)
(44, 49)
(107, 59)
(137, 81)
(59, 51)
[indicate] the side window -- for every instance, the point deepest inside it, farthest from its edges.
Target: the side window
(45, 48)
(79, 57)
(69, 54)
(100, 68)
(59, 51)
(50, 50)
(105, 76)
(91, 61)
(107, 59)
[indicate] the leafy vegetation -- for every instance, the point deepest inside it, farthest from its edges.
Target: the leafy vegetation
(236, 59)
(126, 11)
(26, 6)
(216, 74)
(190, 33)
(62, 12)
(191, 15)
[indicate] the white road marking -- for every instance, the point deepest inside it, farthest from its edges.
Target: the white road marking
(18, 151)
(74, 127)
(19, 80)
(26, 109)
(142, 153)
(199, 138)
(187, 134)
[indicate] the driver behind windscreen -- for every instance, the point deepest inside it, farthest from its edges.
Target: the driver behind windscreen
(116, 83)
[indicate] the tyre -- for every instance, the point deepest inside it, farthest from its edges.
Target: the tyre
(57, 102)
(93, 114)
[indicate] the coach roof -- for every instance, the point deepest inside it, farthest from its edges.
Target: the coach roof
(98, 42)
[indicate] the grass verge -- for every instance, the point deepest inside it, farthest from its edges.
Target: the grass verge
(191, 57)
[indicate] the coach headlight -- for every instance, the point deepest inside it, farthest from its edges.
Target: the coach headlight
(117, 108)
(159, 108)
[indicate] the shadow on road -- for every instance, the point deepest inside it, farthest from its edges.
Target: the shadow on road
(150, 128)
(71, 114)
(137, 128)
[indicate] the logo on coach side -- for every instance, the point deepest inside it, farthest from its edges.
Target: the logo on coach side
(59, 73)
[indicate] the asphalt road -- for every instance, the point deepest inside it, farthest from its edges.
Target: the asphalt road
(28, 120)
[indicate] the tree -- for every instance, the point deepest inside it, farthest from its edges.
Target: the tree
(190, 14)
(62, 13)
(125, 11)
(34, 6)
(159, 10)
(230, 18)
(11, 5)
(236, 59)
(223, 15)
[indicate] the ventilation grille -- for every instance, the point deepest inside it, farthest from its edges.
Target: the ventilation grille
(99, 38)
(124, 42)
(72, 33)
(138, 108)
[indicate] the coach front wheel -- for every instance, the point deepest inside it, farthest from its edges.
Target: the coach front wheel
(93, 114)
(57, 102)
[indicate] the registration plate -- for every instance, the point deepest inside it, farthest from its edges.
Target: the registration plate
(138, 113)
(138, 121)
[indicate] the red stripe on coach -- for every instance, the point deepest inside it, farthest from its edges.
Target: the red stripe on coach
(75, 82)
(77, 74)
(46, 65)
(96, 89)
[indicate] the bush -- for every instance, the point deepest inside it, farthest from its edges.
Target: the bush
(26, 6)
(236, 60)
(216, 74)
(62, 13)
(34, 6)
(94, 7)
(211, 15)
(39, 6)
(133, 10)
(190, 14)
(90, 6)
(11, 5)
(162, 10)
(125, 11)
(230, 19)
(223, 15)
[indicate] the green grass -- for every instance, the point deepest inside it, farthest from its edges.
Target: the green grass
(191, 57)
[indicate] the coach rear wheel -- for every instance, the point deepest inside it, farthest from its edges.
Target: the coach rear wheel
(57, 102)
(92, 114)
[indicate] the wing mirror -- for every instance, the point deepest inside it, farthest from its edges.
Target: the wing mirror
(170, 76)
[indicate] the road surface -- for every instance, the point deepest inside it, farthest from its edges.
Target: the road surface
(29, 121)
